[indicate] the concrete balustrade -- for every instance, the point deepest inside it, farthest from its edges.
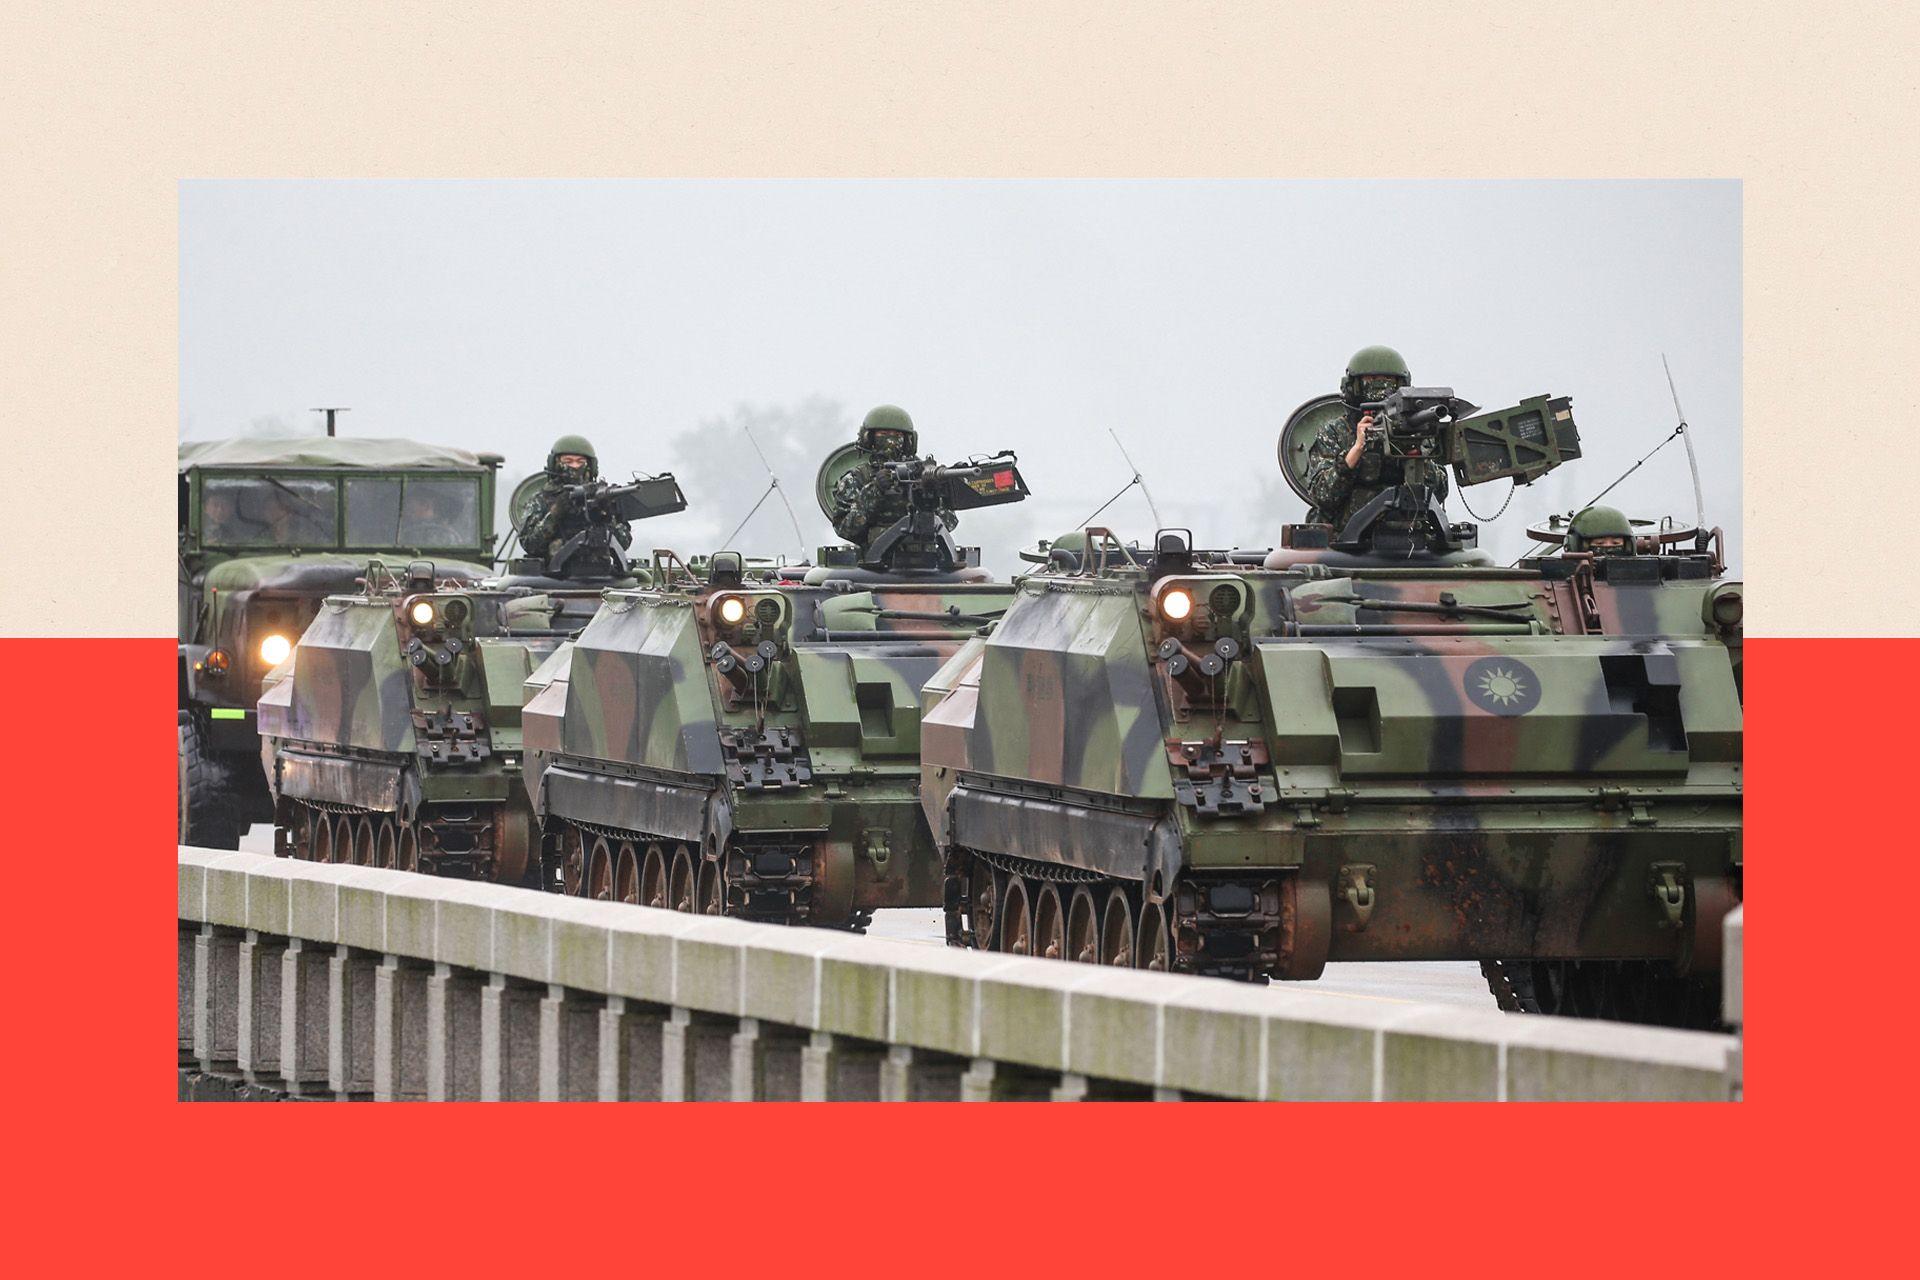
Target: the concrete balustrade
(322, 981)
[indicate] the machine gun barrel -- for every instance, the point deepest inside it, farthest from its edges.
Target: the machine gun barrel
(640, 499)
(962, 486)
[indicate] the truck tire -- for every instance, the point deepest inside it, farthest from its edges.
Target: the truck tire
(208, 813)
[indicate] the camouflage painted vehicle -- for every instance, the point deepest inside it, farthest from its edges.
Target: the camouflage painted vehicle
(268, 528)
(750, 746)
(1186, 761)
(392, 735)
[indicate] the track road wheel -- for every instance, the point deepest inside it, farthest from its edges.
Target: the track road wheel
(406, 852)
(600, 871)
(1083, 927)
(363, 842)
(653, 877)
(573, 862)
(343, 838)
(1152, 946)
(985, 889)
(209, 813)
(680, 886)
(1016, 919)
(310, 823)
(386, 844)
(322, 841)
(1049, 923)
(1116, 929)
(626, 873)
(713, 889)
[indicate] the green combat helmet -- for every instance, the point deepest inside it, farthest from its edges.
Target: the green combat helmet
(573, 444)
(889, 417)
(1371, 363)
(1601, 530)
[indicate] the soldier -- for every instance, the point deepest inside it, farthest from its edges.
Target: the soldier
(1347, 465)
(1600, 531)
(556, 515)
(871, 501)
(423, 525)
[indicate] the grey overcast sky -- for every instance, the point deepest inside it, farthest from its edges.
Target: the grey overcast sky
(1190, 317)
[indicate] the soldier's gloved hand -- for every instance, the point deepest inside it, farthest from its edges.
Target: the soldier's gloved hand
(1362, 437)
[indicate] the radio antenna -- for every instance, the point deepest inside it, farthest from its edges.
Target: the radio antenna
(1693, 463)
(773, 487)
(1137, 479)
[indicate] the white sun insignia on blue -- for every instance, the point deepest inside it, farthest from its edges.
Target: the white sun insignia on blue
(1503, 686)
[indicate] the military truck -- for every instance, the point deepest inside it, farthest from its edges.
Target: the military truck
(731, 744)
(268, 528)
(1370, 743)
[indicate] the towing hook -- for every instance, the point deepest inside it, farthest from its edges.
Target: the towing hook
(1667, 883)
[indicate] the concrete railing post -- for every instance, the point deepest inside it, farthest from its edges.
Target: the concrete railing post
(569, 1047)
(453, 1034)
(261, 964)
(631, 1052)
(920, 1075)
(216, 998)
(509, 1040)
(696, 1057)
(350, 1022)
(188, 993)
(839, 1069)
(305, 984)
(400, 1030)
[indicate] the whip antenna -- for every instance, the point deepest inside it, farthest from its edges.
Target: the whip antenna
(1693, 463)
(773, 486)
(1137, 479)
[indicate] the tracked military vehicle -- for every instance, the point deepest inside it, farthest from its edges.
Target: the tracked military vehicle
(392, 734)
(268, 528)
(1373, 744)
(730, 743)
(391, 737)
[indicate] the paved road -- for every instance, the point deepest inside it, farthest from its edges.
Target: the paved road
(1443, 982)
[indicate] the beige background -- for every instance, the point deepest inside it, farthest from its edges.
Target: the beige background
(104, 107)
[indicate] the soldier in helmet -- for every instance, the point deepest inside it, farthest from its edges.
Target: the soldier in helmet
(1347, 464)
(1600, 531)
(556, 514)
(869, 499)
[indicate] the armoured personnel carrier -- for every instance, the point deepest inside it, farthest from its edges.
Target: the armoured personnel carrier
(735, 743)
(268, 528)
(1373, 744)
(392, 734)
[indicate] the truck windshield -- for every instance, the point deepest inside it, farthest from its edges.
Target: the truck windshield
(253, 511)
(414, 511)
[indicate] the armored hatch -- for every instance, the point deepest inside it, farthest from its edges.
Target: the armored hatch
(1301, 429)
(832, 471)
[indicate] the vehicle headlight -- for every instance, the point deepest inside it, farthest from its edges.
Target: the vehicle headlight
(422, 613)
(1176, 604)
(274, 649)
(732, 610)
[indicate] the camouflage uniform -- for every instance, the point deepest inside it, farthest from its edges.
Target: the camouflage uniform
(1337, 492)
(556, 516)
(869, 500)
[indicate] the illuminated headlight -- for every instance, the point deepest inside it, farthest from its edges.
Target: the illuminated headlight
(274, 650)
(732, 610)
(1176, 604)
(422, 613)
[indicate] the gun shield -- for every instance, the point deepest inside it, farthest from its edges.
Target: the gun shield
(1525, 441)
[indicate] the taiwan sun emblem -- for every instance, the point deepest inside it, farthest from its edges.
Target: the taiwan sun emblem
(1504, 686)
